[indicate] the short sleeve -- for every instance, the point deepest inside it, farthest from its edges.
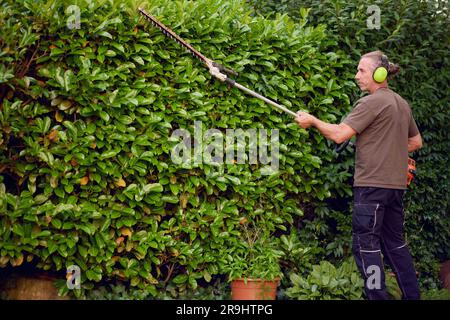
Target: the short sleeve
(360, 117)
(413, 130)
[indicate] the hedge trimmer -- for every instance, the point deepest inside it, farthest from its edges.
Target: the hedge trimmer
(215, 68)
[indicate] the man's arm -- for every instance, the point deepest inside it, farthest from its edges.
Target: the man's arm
(414, 143)
(336, 132)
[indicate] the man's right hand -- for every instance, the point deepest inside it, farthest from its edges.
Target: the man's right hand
(304, 119)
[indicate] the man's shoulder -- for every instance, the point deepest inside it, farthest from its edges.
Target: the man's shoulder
(372, 101)
(383, 97)
(374, 97)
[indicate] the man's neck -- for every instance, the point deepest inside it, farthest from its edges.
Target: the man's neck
(378, 87)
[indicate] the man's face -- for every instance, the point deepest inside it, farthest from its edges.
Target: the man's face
(364, 75)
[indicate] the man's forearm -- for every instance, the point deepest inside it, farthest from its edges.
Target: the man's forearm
(328, 130)
(337, 133)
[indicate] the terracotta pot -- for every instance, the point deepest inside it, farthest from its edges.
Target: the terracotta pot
(26, 287)
(254, 289)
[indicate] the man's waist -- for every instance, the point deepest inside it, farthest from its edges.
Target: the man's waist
(382, 185)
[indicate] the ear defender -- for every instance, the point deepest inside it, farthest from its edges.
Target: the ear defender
(380, 73)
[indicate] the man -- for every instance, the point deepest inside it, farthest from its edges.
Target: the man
(385, 132)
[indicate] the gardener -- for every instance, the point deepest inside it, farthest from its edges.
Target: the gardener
(385, 132)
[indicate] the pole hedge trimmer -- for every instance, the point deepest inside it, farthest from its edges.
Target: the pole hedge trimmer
(215, 68)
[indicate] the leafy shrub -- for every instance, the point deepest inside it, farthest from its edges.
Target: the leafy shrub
(216, 290)
(436, 294)
(86, 176)
(296, 257)
(255, 255)
(326, 282)
(329, 232)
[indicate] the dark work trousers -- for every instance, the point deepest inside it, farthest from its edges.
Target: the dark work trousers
(378, 234)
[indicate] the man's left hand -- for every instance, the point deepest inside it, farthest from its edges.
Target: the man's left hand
(304, 119)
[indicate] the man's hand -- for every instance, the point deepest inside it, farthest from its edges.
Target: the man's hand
(304, 119)
(414, 143)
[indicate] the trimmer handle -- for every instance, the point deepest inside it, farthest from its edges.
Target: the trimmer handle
(224, 69)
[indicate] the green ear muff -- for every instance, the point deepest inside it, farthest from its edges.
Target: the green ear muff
(380, 74)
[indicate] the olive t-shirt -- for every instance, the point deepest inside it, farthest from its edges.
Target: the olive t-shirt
(383, 122)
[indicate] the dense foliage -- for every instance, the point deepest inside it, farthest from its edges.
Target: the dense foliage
(87, 114)
(86, 119)
(415, 35)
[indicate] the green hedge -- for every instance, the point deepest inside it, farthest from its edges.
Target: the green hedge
(86, 115)
(413, 34)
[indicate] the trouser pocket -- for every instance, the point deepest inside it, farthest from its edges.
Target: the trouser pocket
(367, 222)
(365, 218)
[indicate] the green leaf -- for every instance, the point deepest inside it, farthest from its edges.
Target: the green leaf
(104, 116)
(170, 199)
(139, 60)
(181, 278)
(94, 276)
(152, 187)
(105, 225)
(68, 75)
(109, 154)
(72, 129)
(106, 34)
(56, 223)
(68, 188)
(118, 46)
(59, 192)
(163, 54)
(110, 53)
(88, 228)
(18, 229)
(236, 181)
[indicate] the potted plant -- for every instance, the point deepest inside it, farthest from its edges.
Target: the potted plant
(253, 265)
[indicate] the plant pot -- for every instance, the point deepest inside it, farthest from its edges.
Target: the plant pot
(254, 289)
(30, 287)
